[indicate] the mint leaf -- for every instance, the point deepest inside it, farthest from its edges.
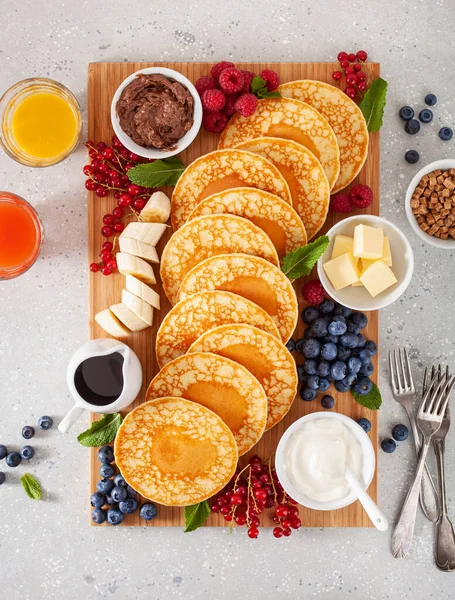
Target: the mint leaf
(196, 515)
(31, 486)
(259, 88)
(300, 262)
(158, 173)
(372, 400)
(101, 432)
(373, 103)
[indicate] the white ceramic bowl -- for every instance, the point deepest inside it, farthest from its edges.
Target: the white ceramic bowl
(358, 298)
(184, 142)
(368, 466)
(443, 164)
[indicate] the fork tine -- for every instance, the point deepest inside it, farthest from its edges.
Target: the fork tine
(397, 366)
(425, 381)
(428, 396)
(393, 372)
(443, 400)
(435, 392)
(408, 370)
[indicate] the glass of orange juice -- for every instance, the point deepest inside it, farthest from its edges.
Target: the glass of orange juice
(40, 122)
(20, 235)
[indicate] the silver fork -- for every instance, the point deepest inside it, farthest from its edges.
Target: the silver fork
(404, 392)
(429, 419)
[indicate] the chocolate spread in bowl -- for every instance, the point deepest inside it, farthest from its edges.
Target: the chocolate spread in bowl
(155, 111)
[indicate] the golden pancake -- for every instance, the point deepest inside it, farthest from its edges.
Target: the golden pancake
(175, 452)
(268, 212)
(345, 118)
(221, 385)
(304, 174)
(292, 120)
(222, 170)
(207, 236)
(263, 355)
(252, 278)
(188, 319)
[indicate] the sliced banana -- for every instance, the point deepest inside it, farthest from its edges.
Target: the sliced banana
(133, 265)
(157, 209)
(148, 233)
(139, 289)
(140, 249)
(109, 322)
(128, 317)
(139, 307)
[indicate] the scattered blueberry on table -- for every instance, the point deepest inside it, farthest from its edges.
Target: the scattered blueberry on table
(412, 127)
(400, 433)
(406, 113)
(45, 422)
(3, 451)
(13, 459)
(365, 424)
(446, 134)
(2, 478)
(426, 115)
(27, 452)
(412, 157)
(28, 432)
(430, 99)
(388, 445)
(327, 401)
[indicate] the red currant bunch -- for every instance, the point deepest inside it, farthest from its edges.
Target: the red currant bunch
(351, 67)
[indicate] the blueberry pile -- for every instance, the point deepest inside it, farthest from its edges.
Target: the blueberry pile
(112, 491)
(399, 434)
(334, 350)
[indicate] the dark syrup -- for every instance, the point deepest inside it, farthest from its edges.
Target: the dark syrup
(99, 380)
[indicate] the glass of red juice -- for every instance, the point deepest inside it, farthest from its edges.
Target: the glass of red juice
(21, 235)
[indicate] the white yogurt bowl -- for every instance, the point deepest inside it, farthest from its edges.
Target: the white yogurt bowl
(184, 142)
(368, 462)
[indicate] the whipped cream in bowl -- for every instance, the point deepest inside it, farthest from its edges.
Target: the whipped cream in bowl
(312, 457)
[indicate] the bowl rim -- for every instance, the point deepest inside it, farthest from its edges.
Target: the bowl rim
(184, 142)
(368, 468)
(443, 163)
(389, 297)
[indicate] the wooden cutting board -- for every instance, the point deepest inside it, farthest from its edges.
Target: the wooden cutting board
(103, 80)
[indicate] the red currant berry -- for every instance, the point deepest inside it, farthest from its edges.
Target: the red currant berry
(93, 153)
(260, 494)
(100, 146)
(108, 219)
(134, 189)
(342, 56)
(254, 521)
(344, 64)
(351, 79)
(108, 153)
(105, 270)
(88, 170)
(351, 57)
(253, 532)
(104, 168)
(118, 212)
(277, 532)
(89, 144)
(264, 478)
(117, 195)
(286, 522)
(94, 268)
(361, 76)
(269, 503)
(240, 520)
(106, 255)
(296, 523)
(276, 519)
(257, 484)
(349, 71)
(132, 156)
(107, 246)
(107, 231)
(128, 166)
(119, 227)
(362, 55)
(287, 532)
(362, 86)
(281, 511)
(101, 192)
(215, 508)
(337, 75)
(357, 67)
(236, 500)
(350, 92)
(116, 142)
(228, 517)
(256, 467)
(139, 203)
(241, 490)
(229, 494)
(292, 501)
(293, 510)
(225, 510)
(125, 200)
(90, 185)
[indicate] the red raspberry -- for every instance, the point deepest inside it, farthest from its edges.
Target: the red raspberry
(271, 78)
(205, 83)
(313, 292)
(231, 80)
(361, 195)
(214, 121)
(341, 203)
(229, 107)
(246, 104)
(248, 77)
(216, 69)
(213, 100)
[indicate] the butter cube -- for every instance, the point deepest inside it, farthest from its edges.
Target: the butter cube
(386, 254)
(364, 264)
(342, 271)
(342, 244)
(368, 242)
(377, 278)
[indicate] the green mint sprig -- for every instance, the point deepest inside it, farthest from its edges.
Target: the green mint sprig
(259, 88)
(31, 486)
(196, 515)
(300, 262)
(158, 173)
(101, 432)
(372, 400)
(373, 104)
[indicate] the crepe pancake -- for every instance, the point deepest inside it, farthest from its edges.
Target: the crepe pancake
(271, 214)
(252, 278)
(222, 170)
(292, 120)
(207, 236)
(175, 452)
(189, 319)
(345, 118)
(221, 385)
(304, 174)
(263, 355)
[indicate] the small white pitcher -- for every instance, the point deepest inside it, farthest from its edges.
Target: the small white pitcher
(131, 371)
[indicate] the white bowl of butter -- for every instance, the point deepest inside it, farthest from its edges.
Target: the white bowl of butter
(372, 282)
(312, 457)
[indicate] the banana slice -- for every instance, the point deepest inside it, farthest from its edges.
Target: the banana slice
(143, 291)
(157, 209)
(148, 233)
(139, 307)
(109, 322)
(128, 317)
(140, 249)
(133, 265)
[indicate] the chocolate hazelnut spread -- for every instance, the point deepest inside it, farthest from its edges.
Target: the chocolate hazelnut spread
(155, 111)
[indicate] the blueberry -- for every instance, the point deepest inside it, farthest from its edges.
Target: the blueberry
(371, 347)
(118, 493)
(356, 352)
(118, 480)
(412, 157)
(309, 315)
(106, 454)
(430, 99)
(290, 345)
(107, 471)
(354, 364)
(445, 133)
(343, 353)
(105, 486)
(353, 328)
(308, 333)
(299, 343)
(13, 459)
(307, 394)
(45, 422)
(326, 307)
(400, 433)
(342, 310)
(350, 378)
(365, 424)
(311, 348)
(362, 386)
(406, 113)
(28, 432)
(360, 319)
(324, 384)
(3, 451)
(319, 328)
(98, 516)
(366, 370)
(338, 370)
(323, 368)
(337, 327)
(310, 366)
(426, 115)
(329, 351)
(110, 500)
(131, 492)
(365, 356)
(331, 338)
(27, 452)
(327, 401)
(312, 382)
(340, 386)
(388, 446)
(148, 511)
(115, 516)
(361, 341)
(2, 478)
(128, 506)
(349, 340)
(412, 127)
(97, 500)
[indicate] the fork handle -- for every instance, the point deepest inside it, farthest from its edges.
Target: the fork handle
(445, 536)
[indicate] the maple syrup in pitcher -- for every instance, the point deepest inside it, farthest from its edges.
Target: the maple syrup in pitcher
(99, 379)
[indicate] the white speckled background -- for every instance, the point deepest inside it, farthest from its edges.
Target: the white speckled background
(47, 549)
